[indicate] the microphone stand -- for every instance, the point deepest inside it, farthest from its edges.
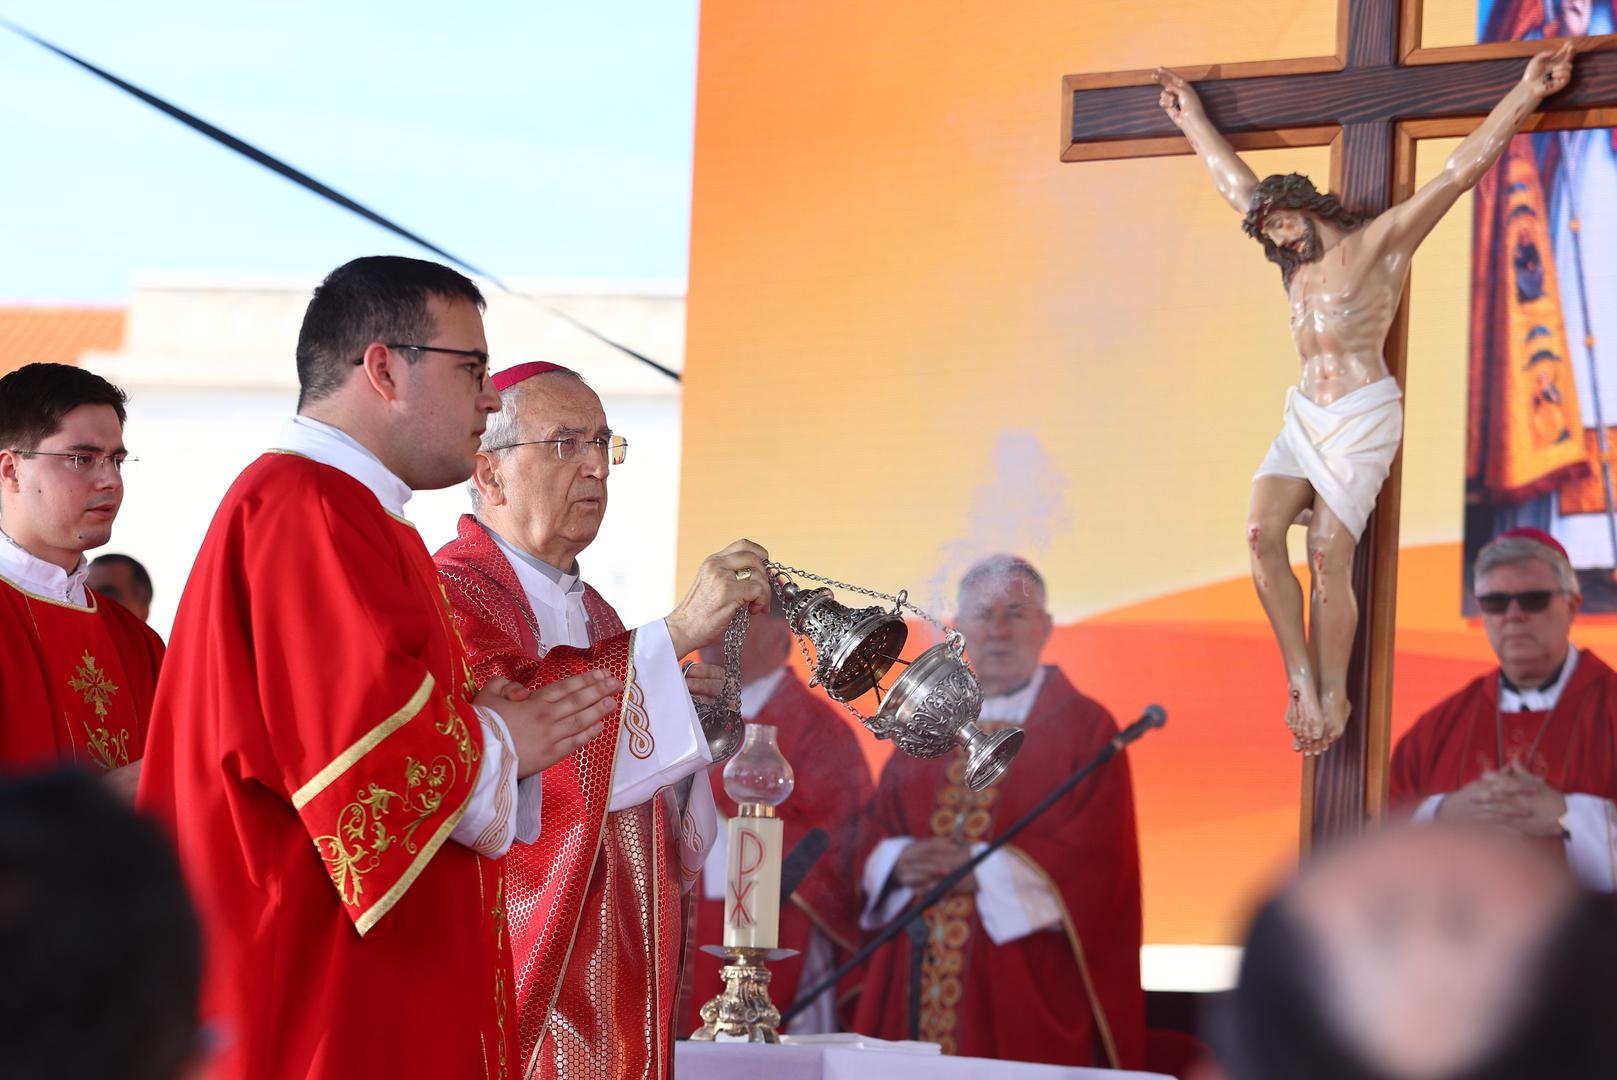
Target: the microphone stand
(1154, 718)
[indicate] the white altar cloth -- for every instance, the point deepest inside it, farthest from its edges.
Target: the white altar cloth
(820, 1061)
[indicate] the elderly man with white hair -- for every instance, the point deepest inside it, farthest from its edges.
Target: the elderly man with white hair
(1531, 746)
(595, 905)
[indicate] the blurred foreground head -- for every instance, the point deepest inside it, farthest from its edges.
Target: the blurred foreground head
(100, 950)
(1427, 954)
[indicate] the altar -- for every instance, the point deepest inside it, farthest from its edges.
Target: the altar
(851, 1057)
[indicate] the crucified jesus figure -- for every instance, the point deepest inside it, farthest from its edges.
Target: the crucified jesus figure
(1344, 277)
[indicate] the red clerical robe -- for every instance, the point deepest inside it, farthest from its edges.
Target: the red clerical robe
(76, 683)
(312, 747)
(1069, 995)
(1458, 740)
(594, 904)
(831, 791)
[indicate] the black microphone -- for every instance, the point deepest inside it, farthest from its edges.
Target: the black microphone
(1154, 717)
(800, 860)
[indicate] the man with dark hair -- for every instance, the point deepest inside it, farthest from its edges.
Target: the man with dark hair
(1344, 421)
(102, 950)
(1036, 956)
(381, 298)
(78, 674)
(124, 579)
(1440, 954)
(340, 787)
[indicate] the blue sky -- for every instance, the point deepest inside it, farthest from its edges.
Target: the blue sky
(541, 138)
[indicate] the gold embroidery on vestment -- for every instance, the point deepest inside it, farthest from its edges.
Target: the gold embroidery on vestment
(967, 816)
(362, 746)
(362, 836)
(636, 722)
(499, 968)
(92, 681)
(378, 817)
(90, 601)
(455, 727)
(109, 749)
(374, 913)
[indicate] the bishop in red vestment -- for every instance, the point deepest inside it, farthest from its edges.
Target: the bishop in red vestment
(831, 790)
(1037, 956)
(339, 788)
(595, 904)
(78, 671)
(1532, 745)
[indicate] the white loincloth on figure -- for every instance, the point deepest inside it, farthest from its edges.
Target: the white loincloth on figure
(1343, 449)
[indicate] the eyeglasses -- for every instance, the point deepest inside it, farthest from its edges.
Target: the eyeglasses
(81, 462)
(476, 354)
(1531, 602)
(616, 448)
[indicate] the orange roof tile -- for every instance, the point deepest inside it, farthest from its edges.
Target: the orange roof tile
(59, 335)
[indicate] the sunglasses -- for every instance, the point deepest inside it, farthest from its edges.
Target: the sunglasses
(1531, 602)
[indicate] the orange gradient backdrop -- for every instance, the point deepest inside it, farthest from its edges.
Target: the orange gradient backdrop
(914, 338)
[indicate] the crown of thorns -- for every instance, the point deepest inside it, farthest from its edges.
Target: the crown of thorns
(1294, 191)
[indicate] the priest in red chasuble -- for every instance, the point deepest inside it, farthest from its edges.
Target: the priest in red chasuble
(1036, 957)
(340, 788)
(832, 789)
(77, 672)
(596, 904)
(1531, 746)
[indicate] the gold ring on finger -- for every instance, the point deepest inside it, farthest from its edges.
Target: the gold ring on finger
(744, 573)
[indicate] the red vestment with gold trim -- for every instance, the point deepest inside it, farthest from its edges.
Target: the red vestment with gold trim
(1458, 740)
(76, 683)
(594, 904)
(831, 791)
(312, 747)
(1069, 995)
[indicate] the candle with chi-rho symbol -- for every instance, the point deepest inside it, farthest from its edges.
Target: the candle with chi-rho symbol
(759, 779)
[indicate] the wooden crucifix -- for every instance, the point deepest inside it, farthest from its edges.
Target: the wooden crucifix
(1369, 102)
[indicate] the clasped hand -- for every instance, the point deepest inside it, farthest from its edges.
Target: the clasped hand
(924, 863)
(1510, 798)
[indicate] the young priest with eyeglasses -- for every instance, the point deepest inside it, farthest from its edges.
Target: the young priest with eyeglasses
(340, 786)
(77, 673)
(1531, 746)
